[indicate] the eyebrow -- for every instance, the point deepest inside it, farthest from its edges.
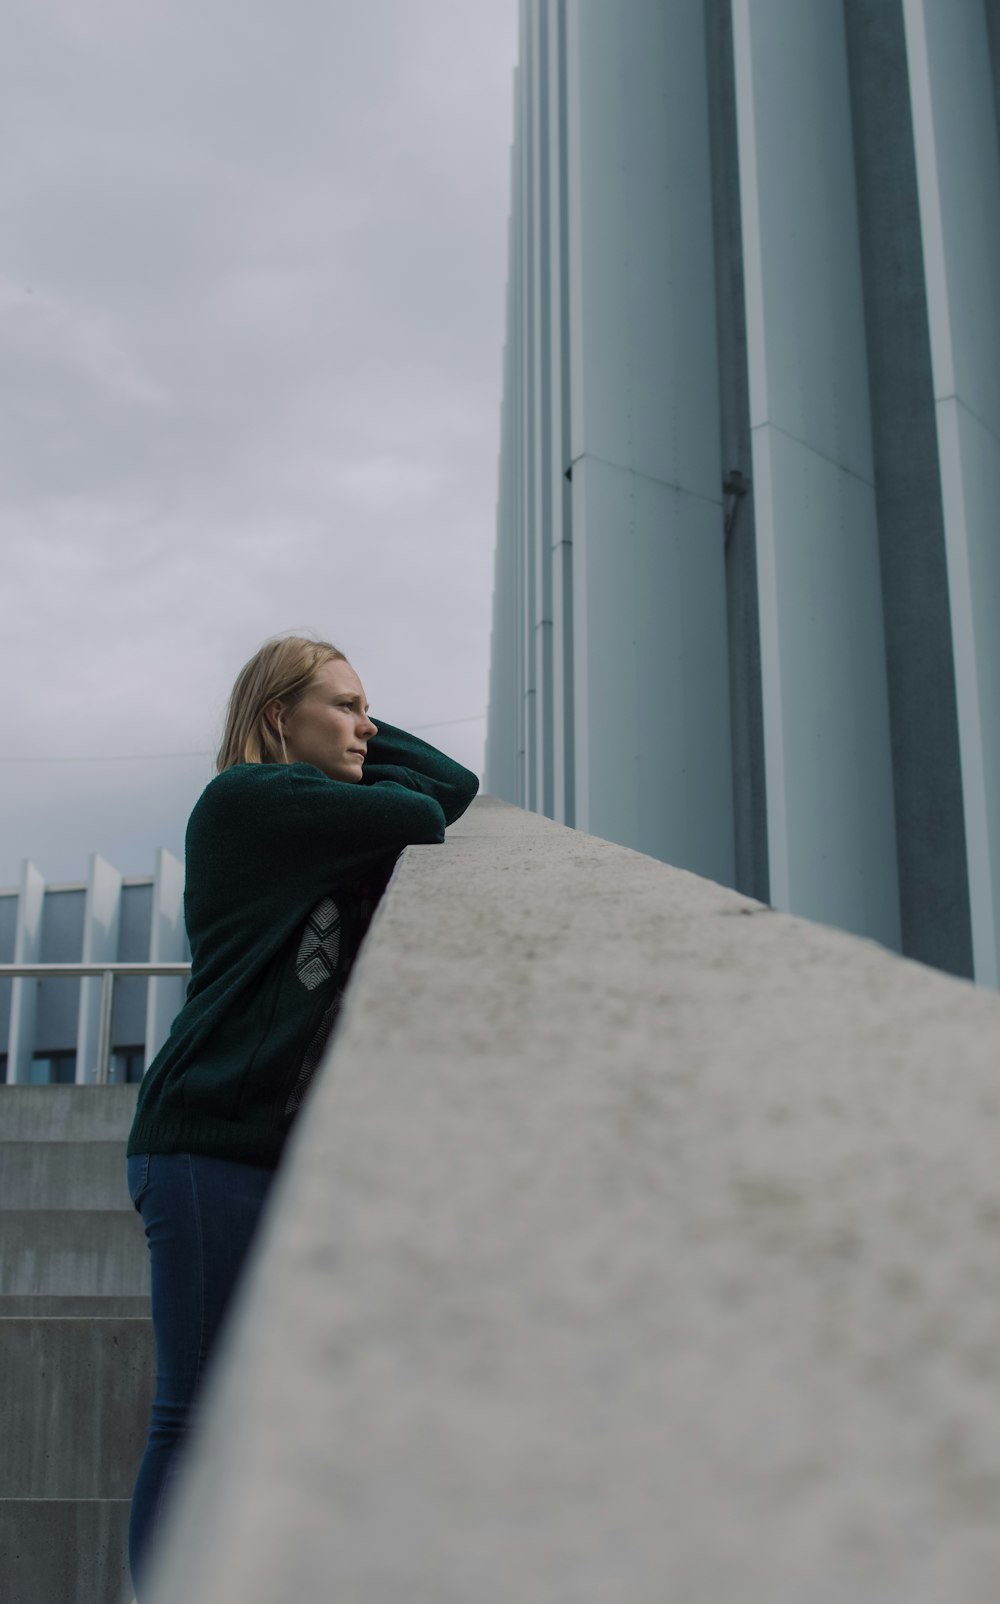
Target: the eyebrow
(346, 696)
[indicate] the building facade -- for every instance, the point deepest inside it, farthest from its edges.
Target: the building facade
(50, 1026)
(747, 586)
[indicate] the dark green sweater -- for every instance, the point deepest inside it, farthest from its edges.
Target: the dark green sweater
(283, 868)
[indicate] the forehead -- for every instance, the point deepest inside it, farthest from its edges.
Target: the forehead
(340, 678)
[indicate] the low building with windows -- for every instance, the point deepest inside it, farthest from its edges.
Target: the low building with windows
(108, 1024)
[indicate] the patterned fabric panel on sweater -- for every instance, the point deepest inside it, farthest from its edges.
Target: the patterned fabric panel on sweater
(319, 948)
(315, 963)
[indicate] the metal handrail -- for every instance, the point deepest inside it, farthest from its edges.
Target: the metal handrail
(107, 973)
(44, 971)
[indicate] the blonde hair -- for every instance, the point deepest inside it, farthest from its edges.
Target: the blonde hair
(283, 667)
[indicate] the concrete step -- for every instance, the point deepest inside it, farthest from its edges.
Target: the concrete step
(46, 1306)
(68, 1252)
(63, 1175)
(77, 1354)
(75, 1400)
(65, 1550)
(66, 1113)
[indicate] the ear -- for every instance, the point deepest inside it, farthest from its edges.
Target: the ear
(272, 714)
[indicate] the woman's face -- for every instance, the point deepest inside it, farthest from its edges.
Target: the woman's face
(330, 726)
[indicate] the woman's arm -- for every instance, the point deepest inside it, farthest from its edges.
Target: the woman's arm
(395, 757)
(260, 825)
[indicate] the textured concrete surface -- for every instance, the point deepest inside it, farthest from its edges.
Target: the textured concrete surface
(636, 1242)
(68, 1231)
(73, 1251)
(63, 1174)
(65, 1551)
(77, 1353)
(47, 1306)
(66, 1113)
(75, 1397)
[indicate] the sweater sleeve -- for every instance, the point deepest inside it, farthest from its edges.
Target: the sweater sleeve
(396, 758)
(409, 793)
(263, 827)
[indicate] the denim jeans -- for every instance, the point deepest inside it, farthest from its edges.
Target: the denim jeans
(200, 1216)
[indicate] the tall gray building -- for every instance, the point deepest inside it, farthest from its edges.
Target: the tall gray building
(747, 587)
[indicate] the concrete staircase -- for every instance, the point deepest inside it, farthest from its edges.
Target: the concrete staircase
(77, 1358)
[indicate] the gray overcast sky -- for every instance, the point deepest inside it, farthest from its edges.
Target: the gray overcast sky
(252, 269)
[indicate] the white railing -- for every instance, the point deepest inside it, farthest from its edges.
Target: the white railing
(107, 972)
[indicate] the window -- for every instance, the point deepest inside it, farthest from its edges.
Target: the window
(126, 1065)
(54, 1069)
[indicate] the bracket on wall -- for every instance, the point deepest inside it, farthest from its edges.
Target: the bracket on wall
(735, 485)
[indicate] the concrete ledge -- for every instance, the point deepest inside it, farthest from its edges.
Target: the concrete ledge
(75, 1401)
(52, 1306)
(67, 1113)
(68, 1251)
(636, 1242)
(63, 1175)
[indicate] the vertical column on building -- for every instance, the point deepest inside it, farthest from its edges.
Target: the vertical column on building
(540, 292)
(503, 723)
(557, 360)
(831, 831)
(958, 179)
(501, 729)
(935, 926)
(24, 992)
(167, 944)
(528, 401)
(747, 728)
(516, 339)
(653, 754)
(502, 733)
(101, 922)
(498, 734)
(505, 734)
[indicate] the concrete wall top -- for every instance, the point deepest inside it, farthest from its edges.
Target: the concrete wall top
(636, 1241)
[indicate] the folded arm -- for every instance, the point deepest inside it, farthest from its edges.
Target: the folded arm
(398, 758)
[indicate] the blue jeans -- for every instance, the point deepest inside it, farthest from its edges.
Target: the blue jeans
(200, 1215)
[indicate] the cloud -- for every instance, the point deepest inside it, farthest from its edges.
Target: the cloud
(251, 326)
(43, 333)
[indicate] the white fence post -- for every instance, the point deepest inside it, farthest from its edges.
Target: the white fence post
(27, 949)
(167, 944)
(101, 921)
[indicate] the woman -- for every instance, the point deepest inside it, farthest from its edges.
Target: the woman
(287, 851)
